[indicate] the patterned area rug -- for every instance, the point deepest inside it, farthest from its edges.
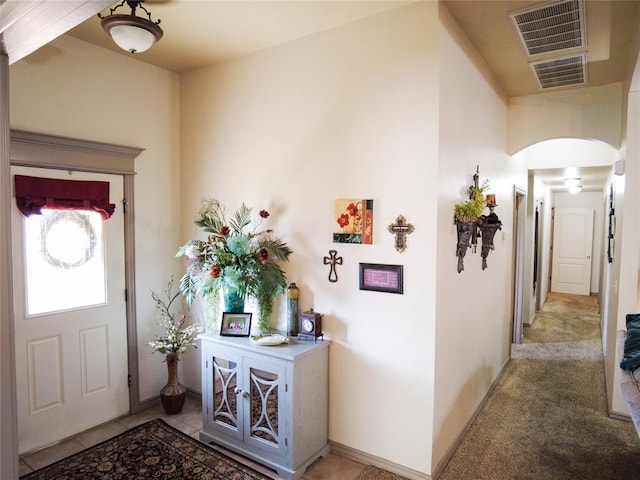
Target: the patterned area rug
(151, 450)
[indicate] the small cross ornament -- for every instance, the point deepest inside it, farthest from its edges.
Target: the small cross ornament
(333, 261)
(400, 229)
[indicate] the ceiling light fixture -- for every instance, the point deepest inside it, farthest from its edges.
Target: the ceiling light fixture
(575, 189)
(572, 182)
(130, 32)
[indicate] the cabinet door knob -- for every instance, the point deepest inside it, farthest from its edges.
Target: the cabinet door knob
(239, 391)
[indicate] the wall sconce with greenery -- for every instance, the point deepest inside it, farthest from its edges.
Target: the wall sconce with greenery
(468, 218)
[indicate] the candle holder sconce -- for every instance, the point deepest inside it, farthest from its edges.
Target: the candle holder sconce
(466, 233)
(488, 228)
(467, 217)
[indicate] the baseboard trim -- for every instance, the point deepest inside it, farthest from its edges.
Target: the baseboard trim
(437, 471)
(620, 416)
(367, 459)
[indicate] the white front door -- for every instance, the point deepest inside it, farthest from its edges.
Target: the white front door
(70, 317)
(572, 242)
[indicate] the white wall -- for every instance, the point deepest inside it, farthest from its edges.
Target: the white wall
(350, 112)
(623, 285)
(474, 307)
(73, 89)
(569, 152)
(595, 114)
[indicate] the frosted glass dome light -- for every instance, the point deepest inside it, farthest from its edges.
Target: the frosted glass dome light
(130, 32)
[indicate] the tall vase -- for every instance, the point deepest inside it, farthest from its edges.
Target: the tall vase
(233, 299)
(173, 394)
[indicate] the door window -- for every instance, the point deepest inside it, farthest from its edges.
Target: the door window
(64, 261)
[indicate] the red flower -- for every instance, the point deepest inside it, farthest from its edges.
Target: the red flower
(264, 214)
(343, 220)
(352, 209)
(216, 271)
(263, 255)
(225, 230)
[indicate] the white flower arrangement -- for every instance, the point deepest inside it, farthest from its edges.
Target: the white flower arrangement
(178, 337)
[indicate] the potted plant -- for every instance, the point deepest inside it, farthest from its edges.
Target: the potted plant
(177, 339)
(234, 259)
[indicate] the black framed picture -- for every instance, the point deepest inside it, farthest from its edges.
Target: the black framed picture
(612, 226)
(381, 278)
(235, 324)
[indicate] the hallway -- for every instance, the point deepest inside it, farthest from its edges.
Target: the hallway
(547, 415)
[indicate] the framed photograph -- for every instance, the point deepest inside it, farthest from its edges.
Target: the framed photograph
(381, 278)
(235, 324)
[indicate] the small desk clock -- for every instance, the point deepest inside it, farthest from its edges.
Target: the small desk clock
(310, 326)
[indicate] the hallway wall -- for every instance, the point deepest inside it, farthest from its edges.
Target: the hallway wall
(624, 297)
(595, 114)
(474, 307)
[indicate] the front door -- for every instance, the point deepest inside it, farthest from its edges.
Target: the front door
(572, 242)
(70, 317)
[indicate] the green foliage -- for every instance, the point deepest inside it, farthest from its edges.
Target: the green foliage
(471, 210)
(235, 257)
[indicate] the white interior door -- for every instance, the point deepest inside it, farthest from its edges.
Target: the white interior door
(572, 245)
(71, 363)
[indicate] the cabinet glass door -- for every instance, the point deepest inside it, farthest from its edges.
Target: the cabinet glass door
(225, 399)
(264, 405)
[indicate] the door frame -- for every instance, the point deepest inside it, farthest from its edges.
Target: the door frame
(62, 153)
(519, 224)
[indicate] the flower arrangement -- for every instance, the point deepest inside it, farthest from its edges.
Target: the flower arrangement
(234, 256)
(178, 337)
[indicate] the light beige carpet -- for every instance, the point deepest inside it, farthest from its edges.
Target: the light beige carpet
(547, 417)
(374, 473)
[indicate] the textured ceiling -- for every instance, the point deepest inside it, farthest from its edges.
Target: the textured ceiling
(610, 34)
(592, 179)
(199, 33)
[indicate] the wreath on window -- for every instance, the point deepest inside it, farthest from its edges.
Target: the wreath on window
(75, 224)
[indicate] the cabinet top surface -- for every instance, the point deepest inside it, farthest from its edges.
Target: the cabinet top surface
(289, 350)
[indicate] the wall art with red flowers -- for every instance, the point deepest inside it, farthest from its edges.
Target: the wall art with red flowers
(353, 221)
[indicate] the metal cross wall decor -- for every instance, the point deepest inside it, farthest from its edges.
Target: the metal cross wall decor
(401, 229)
(333, 261)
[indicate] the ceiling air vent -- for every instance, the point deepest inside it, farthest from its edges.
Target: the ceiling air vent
(551, 27)
(560, 72)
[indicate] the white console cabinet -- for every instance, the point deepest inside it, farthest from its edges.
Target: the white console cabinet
(268, 403)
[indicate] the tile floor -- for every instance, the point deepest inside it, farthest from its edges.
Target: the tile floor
(332, 467)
